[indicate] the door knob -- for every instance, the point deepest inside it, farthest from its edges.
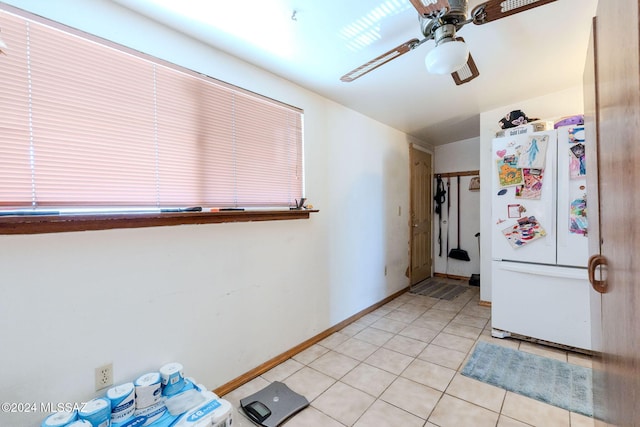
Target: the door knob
(596, 261)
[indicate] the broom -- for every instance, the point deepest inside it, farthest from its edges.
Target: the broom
(457, 253)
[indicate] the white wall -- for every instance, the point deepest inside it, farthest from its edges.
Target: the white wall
(219, 298)
(548, 107)
(458, 156)
(368, 180)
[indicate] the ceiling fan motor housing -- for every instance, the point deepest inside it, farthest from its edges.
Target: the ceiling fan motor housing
(444, 33)
(442, 25)
(458, 7)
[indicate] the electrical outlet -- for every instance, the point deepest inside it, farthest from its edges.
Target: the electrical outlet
(104, 376)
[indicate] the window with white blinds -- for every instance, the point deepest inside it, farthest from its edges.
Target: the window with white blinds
(87, 124)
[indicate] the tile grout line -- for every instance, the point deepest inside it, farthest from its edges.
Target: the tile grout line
(405, 308)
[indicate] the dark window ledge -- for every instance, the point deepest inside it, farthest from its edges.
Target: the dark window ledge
(66, 223)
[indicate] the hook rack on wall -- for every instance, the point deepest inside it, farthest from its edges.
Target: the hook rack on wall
(455, 174)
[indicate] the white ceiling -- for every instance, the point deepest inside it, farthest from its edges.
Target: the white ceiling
(314, 42)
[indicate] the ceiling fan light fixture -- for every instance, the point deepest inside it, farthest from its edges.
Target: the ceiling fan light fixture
(447, 57)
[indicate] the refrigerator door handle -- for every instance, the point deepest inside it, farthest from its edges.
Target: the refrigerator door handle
(552, 207)
(544, 270)
(552, 229)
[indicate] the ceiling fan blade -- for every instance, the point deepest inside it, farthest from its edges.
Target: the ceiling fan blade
(428, 7)
(495, 9)
(466, 73)
(380, 60)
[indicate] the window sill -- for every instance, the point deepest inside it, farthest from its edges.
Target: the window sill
(67, 223)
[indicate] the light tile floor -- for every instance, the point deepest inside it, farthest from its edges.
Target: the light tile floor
(399, 366)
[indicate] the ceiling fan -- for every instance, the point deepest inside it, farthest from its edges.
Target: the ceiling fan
(439, 21)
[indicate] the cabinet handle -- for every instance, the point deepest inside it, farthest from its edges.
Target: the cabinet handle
(596, 261)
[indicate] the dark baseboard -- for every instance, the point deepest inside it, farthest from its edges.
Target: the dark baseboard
(451, 276)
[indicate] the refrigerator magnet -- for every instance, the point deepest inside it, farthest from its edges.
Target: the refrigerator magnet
(533, 154)
(577, 168)
(514, 211)
(578, 216)
(577, 162)
(524, 232)
(532, 187)
(578, 150)
(508, 175)
(511, 159)
(576, 134)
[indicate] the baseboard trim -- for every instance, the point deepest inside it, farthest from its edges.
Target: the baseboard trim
(451, 276)
(485, 303)
(261, 369)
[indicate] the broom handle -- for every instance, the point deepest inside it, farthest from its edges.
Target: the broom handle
(458, 211)
(448, 212)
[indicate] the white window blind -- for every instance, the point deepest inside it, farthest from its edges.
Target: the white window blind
(85, 124)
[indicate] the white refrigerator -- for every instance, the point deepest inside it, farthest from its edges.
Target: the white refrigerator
(540, 287)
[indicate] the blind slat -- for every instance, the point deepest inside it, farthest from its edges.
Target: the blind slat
(85, 124)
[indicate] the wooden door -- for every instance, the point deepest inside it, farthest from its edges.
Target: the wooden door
(420, 215)
(617, 372)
